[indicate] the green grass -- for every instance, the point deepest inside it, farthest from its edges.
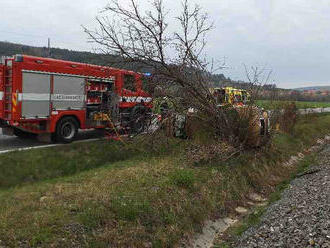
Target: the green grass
(103, 193)
(25, 167)
(267, 104)
(183, 178)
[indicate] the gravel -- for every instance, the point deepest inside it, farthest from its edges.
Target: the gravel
(301, 218)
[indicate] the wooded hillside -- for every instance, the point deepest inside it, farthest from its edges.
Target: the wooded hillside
(9, 49)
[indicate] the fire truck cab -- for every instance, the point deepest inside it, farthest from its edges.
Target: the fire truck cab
(49, 96)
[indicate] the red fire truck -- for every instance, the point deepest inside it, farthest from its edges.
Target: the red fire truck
(49, 96)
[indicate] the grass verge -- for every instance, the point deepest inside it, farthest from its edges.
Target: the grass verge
(104, 194)
(25, 167)
(267, 104)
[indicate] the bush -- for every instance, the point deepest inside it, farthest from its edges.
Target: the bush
(183, 178)
(288, 118)
(284, 117)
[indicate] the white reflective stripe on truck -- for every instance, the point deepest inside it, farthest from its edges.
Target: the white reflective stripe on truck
(1, 95)
(33, 97)
(47, 97)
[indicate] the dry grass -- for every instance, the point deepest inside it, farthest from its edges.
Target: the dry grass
(142, 201)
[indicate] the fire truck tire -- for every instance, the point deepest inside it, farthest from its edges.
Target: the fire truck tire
(138, 119)
(66, 130)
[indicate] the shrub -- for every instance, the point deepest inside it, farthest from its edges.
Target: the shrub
(288, 118)
(183, 178)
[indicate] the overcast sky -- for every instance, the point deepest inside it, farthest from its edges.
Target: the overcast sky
(291, 37)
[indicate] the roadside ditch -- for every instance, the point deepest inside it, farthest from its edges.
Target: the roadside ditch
(216, 232)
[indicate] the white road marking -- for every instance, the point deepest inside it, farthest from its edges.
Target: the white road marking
(27, 148)
(54, 145)
(47, 146)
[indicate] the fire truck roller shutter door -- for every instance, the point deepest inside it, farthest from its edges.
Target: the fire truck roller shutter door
(69, 92)
(35, 95)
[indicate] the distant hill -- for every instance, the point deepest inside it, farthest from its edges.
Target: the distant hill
(316, 88)
(9, 49)
(216, 80)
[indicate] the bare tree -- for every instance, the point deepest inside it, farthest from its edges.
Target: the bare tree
(176, 58)
(257, 77)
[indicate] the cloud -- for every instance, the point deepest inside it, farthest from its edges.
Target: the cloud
(292, 37)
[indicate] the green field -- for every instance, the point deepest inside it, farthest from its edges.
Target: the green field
(300, 104)
(106, 194)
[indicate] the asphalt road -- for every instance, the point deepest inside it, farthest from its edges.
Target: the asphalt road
(13, 142)
(314, 110)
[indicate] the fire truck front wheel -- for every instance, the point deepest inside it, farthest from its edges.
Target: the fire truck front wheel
(66, 130)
